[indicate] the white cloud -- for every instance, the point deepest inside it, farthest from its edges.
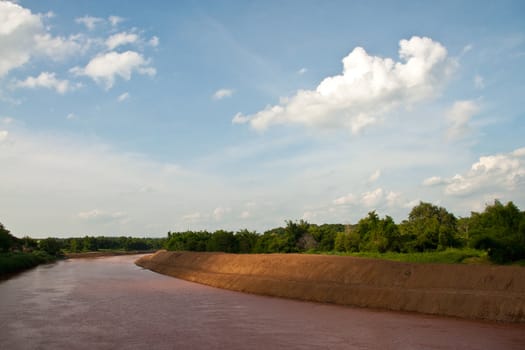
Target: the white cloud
(71, 116)
(374, 176)
(433, 181)
(119, 39)
(245, 214)
(123, 97)
(504, 173)
(104, 68)
(3, 135)
(375, 198)
(368, 88)
(18, 26)
(459, 116)
(240, 119)
(46, 80)
(58, 48)
(348, 199)
(115, 20)
(23, 35)
(479, 82)
(393, 199)
(372, 198)
(154, 41)
(89, 22)
(302, 71)
(220, 212)
(100, 216)
(222, 93)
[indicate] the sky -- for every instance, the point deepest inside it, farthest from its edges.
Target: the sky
(202, 115)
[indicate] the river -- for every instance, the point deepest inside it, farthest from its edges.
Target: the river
(110, 303)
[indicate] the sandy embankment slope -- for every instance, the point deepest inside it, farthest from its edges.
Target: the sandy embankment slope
(469, 291)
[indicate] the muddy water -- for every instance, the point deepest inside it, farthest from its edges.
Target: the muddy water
(109, 303)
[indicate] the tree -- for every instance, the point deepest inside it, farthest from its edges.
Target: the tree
(223, 241)
(51, 246)
(6, 239)
(247, 241)
(429, 227)
(500, 229)
(378, 234)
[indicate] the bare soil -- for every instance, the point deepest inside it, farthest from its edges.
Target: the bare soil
(495, 293)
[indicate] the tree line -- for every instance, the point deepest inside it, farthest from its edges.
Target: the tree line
(57, 246)
(499, 230)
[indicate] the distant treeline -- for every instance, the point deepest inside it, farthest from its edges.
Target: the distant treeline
(499, 230)
(57, 246)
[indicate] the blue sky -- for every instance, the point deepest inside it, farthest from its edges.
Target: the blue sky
(144, 118)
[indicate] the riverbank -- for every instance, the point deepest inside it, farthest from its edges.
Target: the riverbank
(14, 262)
(495, 293)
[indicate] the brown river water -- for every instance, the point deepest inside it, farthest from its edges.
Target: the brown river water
(109, 303)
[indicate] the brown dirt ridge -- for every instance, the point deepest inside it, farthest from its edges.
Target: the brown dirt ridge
(495, 293)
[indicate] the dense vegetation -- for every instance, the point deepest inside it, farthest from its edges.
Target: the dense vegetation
(21, 253)
(430, 233)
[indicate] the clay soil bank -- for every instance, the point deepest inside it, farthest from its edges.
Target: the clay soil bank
(495, 293)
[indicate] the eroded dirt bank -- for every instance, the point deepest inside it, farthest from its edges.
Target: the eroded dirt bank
(494, 293)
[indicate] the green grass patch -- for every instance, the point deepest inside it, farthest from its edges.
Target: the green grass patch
(448, 256)
(17, 261)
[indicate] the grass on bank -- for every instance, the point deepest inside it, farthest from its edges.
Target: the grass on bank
(448, 256)
(18, 261)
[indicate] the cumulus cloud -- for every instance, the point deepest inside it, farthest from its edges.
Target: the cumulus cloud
(57, 47)
(434, 181)
(348, 199)
(368, 88)
(89, 22)
(115, 20)
(220, 212)
(375, 198)
(240, 119)
(24, 35)
(222, 93)
(71, 116)
(18, 26)
(302, 71)
(119, 39)
(494, 173)
(104, 68)
(46, 80)
(459, 117)
(372, 198)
